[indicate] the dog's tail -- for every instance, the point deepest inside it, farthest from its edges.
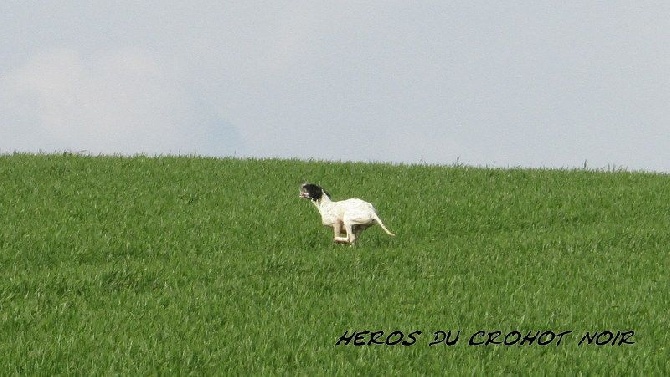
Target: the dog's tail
(381, 224)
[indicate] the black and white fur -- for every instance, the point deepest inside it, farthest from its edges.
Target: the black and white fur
(348, 218)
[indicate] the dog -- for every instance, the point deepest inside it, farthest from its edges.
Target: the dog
(348, 218)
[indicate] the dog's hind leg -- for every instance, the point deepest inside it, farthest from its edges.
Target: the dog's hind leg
(351, 233)
(359, 228)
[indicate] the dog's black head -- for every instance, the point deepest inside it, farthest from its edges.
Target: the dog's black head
(312, 192)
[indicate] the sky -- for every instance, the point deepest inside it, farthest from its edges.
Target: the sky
(540, 84)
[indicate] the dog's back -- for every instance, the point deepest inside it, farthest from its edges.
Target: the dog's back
(357, 211)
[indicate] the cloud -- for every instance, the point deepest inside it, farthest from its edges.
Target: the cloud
(124, 101)
(498, 85)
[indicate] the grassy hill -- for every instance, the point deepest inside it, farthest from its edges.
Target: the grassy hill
(194, 265)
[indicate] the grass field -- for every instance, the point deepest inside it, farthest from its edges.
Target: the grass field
(180, 265)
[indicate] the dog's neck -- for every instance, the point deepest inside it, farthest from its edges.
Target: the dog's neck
(323, 201)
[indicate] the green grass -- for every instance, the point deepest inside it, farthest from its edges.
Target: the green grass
(180, 265)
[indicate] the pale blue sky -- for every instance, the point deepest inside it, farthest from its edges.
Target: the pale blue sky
(514, 83)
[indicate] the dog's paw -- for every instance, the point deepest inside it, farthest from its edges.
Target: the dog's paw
(341, 240)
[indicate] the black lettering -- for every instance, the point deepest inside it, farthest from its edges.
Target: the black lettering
(359, 340)
(452, 342)
(529, 338)
(471, 341)
(397, 333)
(436, 337)
(346, 338)
(624, 337)
(374, 336)
(547, 334)
(441, 336)
(412, 336)
(516, 339)
(608, 335)
(560, 336)
(588, 337)
(493, 335)
(618, 334)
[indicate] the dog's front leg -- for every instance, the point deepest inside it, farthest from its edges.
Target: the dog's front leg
(337, 230)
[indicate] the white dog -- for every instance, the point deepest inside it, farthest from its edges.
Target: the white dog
(351, 216)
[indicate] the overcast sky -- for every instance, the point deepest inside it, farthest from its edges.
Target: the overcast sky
(504, 83)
